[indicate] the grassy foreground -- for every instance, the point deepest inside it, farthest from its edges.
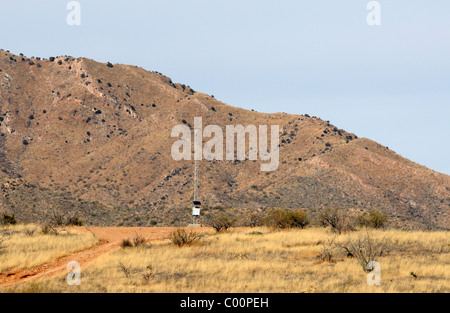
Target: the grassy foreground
(261, 260)
(25, 246)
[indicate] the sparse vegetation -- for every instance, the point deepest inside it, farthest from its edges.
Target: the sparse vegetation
(30, 231)
(365, 248)
(283, 219)
(125, 269)
(182, 238)
(286, 261)
(328, 247)
(24, 246)
(50, 230)
(139, 240)
(2, 243)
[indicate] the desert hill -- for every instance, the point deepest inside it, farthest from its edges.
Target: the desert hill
(102, 133)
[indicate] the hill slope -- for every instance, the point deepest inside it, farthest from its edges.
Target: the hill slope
(103, 133)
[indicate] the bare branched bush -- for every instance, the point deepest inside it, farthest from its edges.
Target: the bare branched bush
(49, 229)
(364, 248)
(181, 238)
(139, 240)
(92, 232)
(337, 219)
(252, 219)
(146, 276)
(55, 218)
(125, 269)
(30, 231)
(327, 253)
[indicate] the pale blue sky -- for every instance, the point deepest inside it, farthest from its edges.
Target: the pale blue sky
(390, 83)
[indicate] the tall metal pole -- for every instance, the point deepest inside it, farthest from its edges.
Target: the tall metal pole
(195, 172)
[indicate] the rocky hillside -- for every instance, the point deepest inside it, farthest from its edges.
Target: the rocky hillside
(102, 132)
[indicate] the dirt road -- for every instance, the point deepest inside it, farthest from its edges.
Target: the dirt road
(110, 240)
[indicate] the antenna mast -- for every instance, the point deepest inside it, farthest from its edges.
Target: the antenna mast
(197, 204)
(196, 181)
(196, 169)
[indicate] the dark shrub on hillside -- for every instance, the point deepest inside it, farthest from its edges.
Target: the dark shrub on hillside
(8, 220)
(74, 221)
(109, 64)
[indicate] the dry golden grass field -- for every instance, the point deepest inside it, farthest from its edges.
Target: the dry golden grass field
(25, 246)
(246, 260)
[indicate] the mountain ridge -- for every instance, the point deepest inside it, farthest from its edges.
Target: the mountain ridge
(101, 132)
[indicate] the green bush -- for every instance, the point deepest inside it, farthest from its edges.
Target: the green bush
(373, 219)
(281, 219)
(221, 223)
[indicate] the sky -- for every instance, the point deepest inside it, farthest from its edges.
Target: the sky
(387, 82)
